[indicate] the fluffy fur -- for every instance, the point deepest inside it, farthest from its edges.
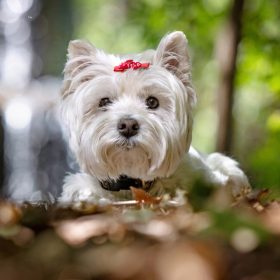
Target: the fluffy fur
(161, 150)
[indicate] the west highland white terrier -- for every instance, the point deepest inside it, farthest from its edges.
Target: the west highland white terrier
(129, 123)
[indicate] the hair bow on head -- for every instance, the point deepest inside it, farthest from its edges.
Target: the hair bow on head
(130, 64)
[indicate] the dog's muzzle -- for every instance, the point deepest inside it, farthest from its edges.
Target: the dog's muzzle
(124, 183)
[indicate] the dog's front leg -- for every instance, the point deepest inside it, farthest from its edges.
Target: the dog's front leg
(237, 182)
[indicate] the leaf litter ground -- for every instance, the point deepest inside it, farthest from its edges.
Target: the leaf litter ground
(145, 238)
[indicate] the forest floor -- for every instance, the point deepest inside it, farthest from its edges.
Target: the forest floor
(146, 238)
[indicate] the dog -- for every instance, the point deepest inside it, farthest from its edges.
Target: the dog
(129, 122)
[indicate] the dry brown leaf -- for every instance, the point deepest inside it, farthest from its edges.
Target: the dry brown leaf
(257, 195)
(143, 197)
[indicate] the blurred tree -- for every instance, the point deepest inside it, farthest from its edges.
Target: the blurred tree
(227, 48)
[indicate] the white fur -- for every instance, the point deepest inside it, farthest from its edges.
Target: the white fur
(161, 150)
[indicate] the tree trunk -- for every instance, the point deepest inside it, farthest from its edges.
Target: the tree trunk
(227, 46)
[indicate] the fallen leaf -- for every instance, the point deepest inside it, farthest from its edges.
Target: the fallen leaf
(143, 197)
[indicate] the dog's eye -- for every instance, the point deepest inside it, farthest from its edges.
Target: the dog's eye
(104, 102)
(152, 102)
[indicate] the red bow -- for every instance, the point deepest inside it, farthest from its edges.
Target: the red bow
(131, 64)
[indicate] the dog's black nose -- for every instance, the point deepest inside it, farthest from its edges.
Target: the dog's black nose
(128, 127)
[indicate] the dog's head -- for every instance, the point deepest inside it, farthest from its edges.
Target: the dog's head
(137, 122)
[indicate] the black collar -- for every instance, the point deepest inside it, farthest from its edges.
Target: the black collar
(124, 183)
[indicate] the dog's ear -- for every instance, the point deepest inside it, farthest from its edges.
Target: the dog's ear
(81, 54)
(80, 48)
(172, 54)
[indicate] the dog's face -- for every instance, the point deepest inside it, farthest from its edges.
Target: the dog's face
(136, 123)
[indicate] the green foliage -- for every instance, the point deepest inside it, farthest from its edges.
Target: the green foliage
(227, 221)
(259, 86)
(199, 194)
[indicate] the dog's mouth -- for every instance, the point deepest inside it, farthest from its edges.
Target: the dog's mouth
(127, 144)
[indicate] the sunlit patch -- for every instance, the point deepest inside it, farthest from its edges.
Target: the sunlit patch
(18, 6)
(273, 122)
(17, 32)
(18, 114)
(16, 74)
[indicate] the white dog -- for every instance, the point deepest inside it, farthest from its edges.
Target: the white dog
(129, 123)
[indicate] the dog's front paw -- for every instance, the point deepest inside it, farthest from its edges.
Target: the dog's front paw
(238, 186)
(77, 194)
(82, 188)
(233, 190)
(229, 175)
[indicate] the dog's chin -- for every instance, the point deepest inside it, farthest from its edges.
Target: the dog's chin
(127, 157)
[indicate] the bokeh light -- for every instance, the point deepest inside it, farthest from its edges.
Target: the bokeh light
(18, 114)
